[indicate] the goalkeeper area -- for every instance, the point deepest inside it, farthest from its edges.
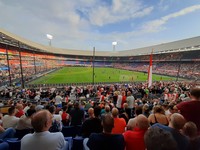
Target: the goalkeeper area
(68, 75)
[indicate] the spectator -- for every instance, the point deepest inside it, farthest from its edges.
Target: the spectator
(131, 104)
(176, 123)
(56, 120)
(190, 130)
(10, 120)
(105, 140)
(92, 124)
(20, 111)
(158, 116)
(134, 139)
(119, 123)
(159, 139)
(8, 133)
(25, 121)
(42, 139)
(190, 109)
(76, 115)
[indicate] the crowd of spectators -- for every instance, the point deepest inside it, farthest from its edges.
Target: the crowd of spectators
(189, 70)
(118, 116)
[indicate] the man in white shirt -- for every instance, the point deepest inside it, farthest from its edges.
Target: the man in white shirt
(42, 139)
(10, 120)
(130, 100)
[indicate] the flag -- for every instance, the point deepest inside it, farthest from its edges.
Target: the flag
(150, 72)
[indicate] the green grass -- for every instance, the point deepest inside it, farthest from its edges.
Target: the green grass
(84, 75)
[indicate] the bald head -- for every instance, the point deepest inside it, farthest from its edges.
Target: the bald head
(115, 112)
(41, 121)
(91, 112)
(177, 121)
(131, 123)
(142, 122)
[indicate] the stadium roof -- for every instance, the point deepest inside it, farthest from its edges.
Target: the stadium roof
(181, 45)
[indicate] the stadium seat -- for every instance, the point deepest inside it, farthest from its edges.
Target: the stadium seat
(20, 133)
(14, 144)
(70, 142)
(69, 131)
(77, 143)
(4, 146)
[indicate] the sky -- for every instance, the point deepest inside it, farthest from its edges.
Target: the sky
(84, 24)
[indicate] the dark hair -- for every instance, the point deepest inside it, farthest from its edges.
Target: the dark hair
(11, 110)
(30, 112)
(158, 139)
(97, 111)
(108, 123)
(52, 109)
(195, 92)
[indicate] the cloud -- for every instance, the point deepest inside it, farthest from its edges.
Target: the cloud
(120, 10)
(157, 25)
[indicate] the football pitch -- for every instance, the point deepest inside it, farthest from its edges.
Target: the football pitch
(84, 75)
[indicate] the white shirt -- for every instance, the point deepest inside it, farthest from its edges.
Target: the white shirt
(119, 101)
(10, 121)
(43, 141)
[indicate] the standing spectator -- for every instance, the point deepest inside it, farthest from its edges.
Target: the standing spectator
(105, 140)
(77, 115)
(42, 139)
(134, 139)
(91, 125)
(190, 109)
(119, 123)
(176, 123)
(130, 101)
(159, 139)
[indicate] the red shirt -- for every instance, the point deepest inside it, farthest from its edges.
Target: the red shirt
(134, 140)
(191, 111)
(19, 113)
(119, 126)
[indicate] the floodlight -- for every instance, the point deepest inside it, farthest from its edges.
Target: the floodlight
(50, 37)
(114, 43)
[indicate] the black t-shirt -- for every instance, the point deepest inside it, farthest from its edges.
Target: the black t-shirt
(91, 125)
(101, 141)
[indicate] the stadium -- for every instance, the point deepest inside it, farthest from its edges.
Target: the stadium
(23, 62)
(28, 60)
(127, 98)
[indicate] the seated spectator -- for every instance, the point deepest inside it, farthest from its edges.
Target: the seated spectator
(10, 120)
(158, 116)
(20, 111)
(134, 139)
(105, 140)
(159, 139)
(25, 120)
(56, 120)
(176, 123)
(42, 139)
(92, 124)
(8, 133)
(119, 123)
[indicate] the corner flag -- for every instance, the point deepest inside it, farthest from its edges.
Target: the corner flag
(150, 71)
